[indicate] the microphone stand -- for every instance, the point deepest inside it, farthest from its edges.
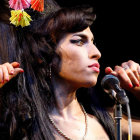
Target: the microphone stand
(121, 98)
(111, 85)
(118, 117)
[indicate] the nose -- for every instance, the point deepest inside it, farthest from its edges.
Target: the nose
(94, 52)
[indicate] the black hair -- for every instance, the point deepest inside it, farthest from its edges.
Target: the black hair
(24, 101)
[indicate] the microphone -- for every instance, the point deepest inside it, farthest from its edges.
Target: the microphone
(111, 85)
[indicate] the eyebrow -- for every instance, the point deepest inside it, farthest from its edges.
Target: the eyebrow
(83, 36)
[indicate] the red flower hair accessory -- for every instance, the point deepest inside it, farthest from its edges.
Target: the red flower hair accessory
(37, 5)
(18, 16)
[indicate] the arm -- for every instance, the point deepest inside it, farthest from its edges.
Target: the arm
(135, 127)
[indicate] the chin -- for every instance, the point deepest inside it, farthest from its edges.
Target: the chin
(89, 84)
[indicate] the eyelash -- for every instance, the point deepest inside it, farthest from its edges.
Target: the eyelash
(77, 42)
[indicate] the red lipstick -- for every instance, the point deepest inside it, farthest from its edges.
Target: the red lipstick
(95, 67)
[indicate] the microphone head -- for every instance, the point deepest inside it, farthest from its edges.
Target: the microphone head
(111, 85)
(108, 81)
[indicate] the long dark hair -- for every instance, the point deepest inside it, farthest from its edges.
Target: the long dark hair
(24, 101)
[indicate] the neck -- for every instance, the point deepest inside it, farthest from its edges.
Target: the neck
(65, 97)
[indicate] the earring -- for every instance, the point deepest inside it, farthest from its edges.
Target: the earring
(50, 72)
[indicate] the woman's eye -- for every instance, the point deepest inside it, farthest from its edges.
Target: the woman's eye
(78, 42)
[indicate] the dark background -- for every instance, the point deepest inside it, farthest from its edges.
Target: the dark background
(117, 35)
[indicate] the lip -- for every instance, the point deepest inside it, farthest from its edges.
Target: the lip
(95, 67)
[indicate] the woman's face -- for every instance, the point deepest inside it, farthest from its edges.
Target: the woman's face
(79, 59)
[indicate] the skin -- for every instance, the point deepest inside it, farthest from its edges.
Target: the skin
(75, 59)
(9, 71)
(73, 73)
(129, 78)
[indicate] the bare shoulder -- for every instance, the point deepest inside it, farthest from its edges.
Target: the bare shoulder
(95, 128)
(93, 120)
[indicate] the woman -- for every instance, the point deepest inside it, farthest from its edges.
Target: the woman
(52, 98)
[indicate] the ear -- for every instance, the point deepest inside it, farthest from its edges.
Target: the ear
(55, 61)
(56, 64)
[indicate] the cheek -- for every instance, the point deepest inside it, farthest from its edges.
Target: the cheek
(79, 76)
(74, 68)
(73, 62)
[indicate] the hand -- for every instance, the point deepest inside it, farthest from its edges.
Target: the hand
(129, 76)
(8, 71)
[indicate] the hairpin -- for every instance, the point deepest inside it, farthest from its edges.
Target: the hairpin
(18, 16)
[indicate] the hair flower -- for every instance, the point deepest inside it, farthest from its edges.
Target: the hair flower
(19, 4)
(20, 18)
(37, 5)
